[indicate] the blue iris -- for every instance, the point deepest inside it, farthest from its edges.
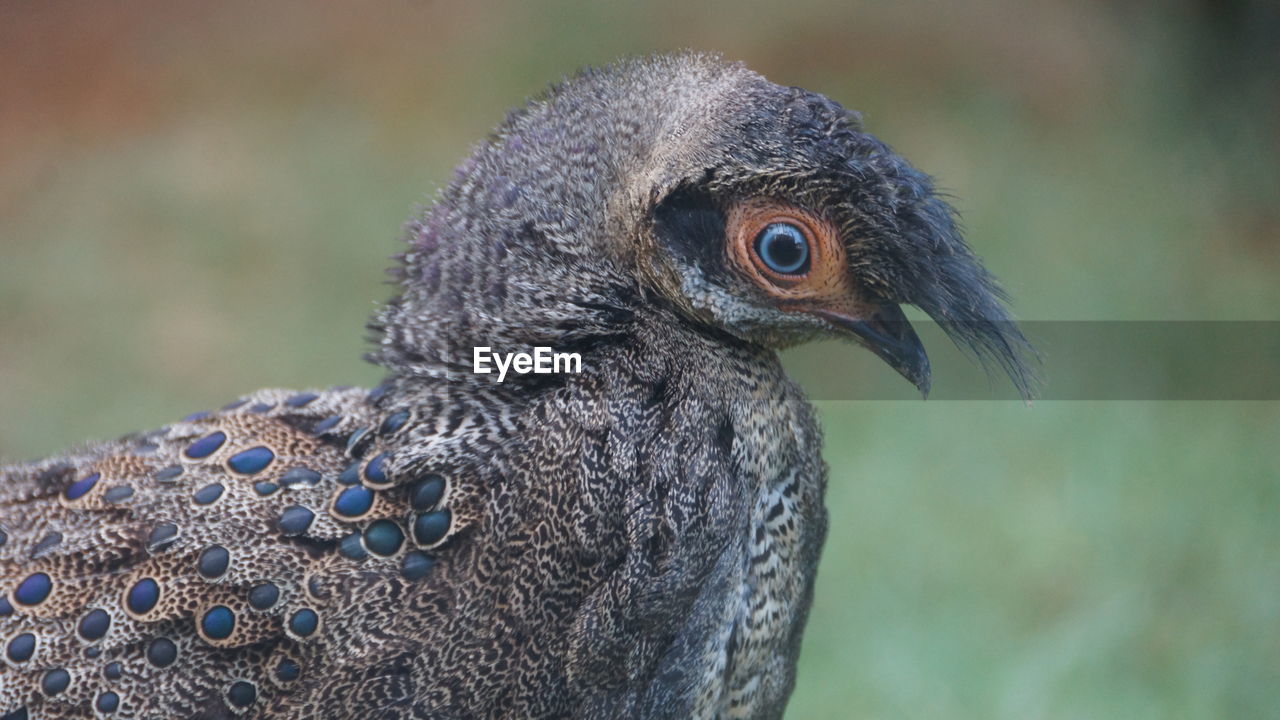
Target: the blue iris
(783, 248)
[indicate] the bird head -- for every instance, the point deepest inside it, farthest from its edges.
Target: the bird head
(761, 211)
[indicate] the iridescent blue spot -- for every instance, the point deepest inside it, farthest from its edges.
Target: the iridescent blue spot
(143, 596)
(318, 589)
(426, 492)
(326, 424)
(299, 476)
(21, 648)
(264, 488)
(350, 547)
(162, 537)
(242, 693)
(94, 624)
(213, 562)
(383, 537)
(4, 538)
(295, 520)
(55, 681)
(168, 474)
(416, 565)
(263, 596)
(77, 489)
(287, 671)
(206, 446)
(107, 702)
(301, 400)
(113, 671)
(261, 407)
(354, 501)
(208, 494)
(6, 608)
(218, 622)
(19, 714)
(377, 393)
(357, 442)
(375, 472)
(393, 422)
(304, 622)
(251, 461)
(162, 652)
(197, 416)
(430, 528)
(47, 543)
(33, 590)
(118, 494)
(92, 652)
(351, 475)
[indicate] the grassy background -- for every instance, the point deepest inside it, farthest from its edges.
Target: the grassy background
(197, 200)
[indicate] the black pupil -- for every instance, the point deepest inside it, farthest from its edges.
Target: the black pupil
(783, 248)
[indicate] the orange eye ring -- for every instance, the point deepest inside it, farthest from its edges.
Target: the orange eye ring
(822, 273)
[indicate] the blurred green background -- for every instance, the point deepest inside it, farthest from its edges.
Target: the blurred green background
(197, 199)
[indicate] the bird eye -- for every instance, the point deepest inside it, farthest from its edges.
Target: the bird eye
(783, 248)
(791, 253)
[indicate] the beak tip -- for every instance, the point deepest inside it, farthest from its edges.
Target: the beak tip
(889, 336)
(921, 375)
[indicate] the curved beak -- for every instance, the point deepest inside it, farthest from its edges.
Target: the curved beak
(889, 335)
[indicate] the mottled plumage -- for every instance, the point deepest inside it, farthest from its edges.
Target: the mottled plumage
(637, 540)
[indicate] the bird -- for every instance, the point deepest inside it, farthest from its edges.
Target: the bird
(633, 537)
